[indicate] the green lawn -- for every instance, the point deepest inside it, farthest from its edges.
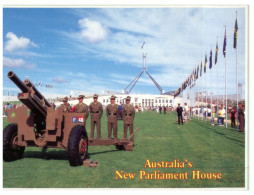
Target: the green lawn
(209, 148)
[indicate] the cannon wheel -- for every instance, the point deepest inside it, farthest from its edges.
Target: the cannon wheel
(11, 151)
(77, 145)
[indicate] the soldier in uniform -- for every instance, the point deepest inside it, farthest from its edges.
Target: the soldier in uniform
(65, 106)
(113, 112)
(128, 114)
(82, 107)
(96, 112)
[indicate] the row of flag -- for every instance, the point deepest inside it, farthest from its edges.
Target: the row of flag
(190, 81)
(44, 85)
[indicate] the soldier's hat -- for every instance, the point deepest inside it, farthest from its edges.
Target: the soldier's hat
(113, 97)
(81, 96)
(95, 96)
(128, 98)
(65, 99)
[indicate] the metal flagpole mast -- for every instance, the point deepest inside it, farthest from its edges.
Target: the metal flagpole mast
(211, 100)
(206, 98)
(217, 70)
(198, 96)
(195, 92)
(237, 84)
(226, 88)
(193, 97)
(202, 91)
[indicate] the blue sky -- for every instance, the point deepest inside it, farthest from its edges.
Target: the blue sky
(92, 49)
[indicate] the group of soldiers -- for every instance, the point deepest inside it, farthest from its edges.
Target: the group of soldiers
(96, 111)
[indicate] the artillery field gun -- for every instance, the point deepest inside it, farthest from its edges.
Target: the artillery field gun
(36, 123)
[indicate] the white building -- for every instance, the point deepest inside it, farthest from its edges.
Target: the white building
(142, 100)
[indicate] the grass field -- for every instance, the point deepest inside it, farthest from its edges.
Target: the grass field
(210, 149)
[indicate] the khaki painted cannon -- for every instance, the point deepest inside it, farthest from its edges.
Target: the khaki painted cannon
(36, 123)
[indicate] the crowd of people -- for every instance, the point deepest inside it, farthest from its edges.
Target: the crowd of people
(158, 109)
(212, 114)
(9, 106)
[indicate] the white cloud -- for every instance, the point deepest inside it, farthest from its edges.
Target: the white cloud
(16, 63)
(176, 40)
(14, 43)
(92, 31)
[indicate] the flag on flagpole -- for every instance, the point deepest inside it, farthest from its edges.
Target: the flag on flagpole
(201, 69)
(197, 71)
(143, 44)
(195, 75)
(210, 59)
(235, 34)
(205, 63)
(216, 53)
(225, 44)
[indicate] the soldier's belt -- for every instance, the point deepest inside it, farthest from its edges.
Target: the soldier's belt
(111, 113)
(96, 112)
(128, 114)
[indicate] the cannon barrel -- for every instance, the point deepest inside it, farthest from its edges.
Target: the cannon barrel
(18, 82)
(37, 93)
(30, 96)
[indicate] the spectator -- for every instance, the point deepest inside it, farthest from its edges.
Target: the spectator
(233, 117)
(241, 117)
(179, 111)
(160, 108)
(223, 116)
(220, 116)
(120, 117)
(204, 112)
(213, 114)
(208, 112)
(186, 110)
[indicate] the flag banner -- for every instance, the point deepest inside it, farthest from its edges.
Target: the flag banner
(195, 75)
(197, 71)
(201, 69)
(235, 34)
(205, 63)
(210, 59)
(216, 53)
(225, 44)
